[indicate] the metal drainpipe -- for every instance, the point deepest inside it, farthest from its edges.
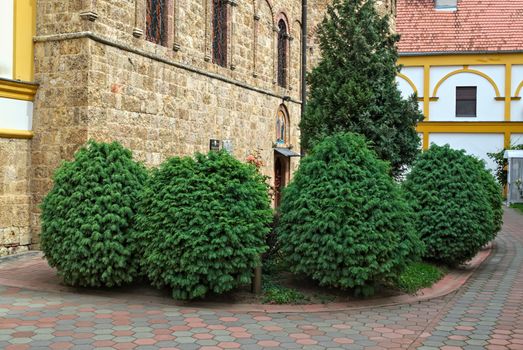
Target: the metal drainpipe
(303, 59)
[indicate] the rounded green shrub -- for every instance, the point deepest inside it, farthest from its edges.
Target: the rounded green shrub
(87, 216)
(453, 204)
(495, 198)
(343, 220)
(205, 222)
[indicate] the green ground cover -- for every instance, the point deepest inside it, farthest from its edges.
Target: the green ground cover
(517, 206)
(419, 275)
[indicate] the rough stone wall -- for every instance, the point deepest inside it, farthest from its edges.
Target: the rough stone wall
(388, 7)
(61, 113)
(160, 110)
(251, 34)
(101, 79)
(15, 201)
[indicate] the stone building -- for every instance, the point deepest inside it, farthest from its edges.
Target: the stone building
(163, 77)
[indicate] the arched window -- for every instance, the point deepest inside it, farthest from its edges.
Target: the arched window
(156, 21)
(282, 53)
(219, 32)
(282, 127)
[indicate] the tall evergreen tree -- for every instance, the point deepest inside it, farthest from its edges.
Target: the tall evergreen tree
(353, 87)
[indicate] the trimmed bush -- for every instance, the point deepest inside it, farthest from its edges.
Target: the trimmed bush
(87, 215)
(452, 202)
(343, 220)
(495, 197)
(205, 221)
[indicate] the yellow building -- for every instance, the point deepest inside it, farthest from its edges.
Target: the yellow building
(17, 89)
(17, 93)
(464, 60)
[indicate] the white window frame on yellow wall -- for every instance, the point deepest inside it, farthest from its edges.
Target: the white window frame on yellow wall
(17, 87)
(7, 38)
(503, 91)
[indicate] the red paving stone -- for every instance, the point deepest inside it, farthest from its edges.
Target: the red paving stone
(229, 345)
(268, 343)
(241, 335)
(17, 347)
(22, 334)
(202, 336)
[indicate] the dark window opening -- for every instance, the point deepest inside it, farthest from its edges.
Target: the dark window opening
(156, 20)
(466, 98)
(219, 32)
(282, 53)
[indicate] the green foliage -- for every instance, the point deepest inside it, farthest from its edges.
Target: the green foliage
(343, 220)
(205, 222)
(517, 206)
(277, 294)
(502, 163)
(453, 201)
(273, 292)
(353, 88)
(495, 197)
(272, 253)
(87, 215)
(419, 275)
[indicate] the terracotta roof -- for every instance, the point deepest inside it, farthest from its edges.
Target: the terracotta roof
(476, 26)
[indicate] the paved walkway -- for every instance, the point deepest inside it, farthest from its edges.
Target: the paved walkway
(487, 313)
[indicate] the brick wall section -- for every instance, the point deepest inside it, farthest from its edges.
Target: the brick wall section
(14, 195)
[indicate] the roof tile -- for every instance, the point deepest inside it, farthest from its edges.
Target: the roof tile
(477, 25)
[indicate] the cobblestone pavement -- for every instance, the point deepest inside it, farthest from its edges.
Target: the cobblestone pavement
(486, 313)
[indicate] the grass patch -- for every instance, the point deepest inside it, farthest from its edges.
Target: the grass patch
(273, 290)
(419, 275)
(517, 206)
(277, 294)
(324, 298)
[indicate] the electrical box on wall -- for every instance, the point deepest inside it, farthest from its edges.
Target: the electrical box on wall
(216, 145)
(227, 145)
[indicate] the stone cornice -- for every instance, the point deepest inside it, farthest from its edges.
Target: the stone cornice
(156, 57)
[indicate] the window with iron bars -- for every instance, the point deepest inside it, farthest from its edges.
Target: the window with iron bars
(156, 21)
(219, 32)
(282, 53)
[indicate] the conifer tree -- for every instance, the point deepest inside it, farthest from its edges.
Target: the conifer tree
(353, 87)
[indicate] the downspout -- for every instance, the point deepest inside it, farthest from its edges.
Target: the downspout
(303, 59)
